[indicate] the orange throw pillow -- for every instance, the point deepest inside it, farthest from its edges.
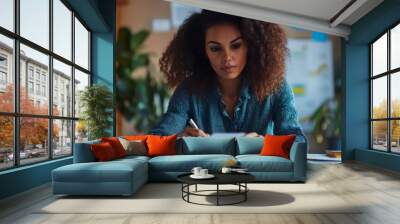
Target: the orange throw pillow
(135, 137)
(277, 145)
(116, 145)
(161, 145)
(103, 151)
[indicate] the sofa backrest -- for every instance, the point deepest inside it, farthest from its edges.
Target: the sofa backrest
(83, 153)
(249, 145)
(190, 146)
(206, 145)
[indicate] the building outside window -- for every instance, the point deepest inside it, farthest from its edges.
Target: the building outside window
(43, 90)
(38, 89)
(30, 87)
(3, 78)
(43, 77)
(3, 71)
(55, 96)
(30, 72)
(37, 75)
(3, 61)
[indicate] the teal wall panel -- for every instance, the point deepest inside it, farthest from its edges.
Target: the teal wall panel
(24, 178)
(380, 159)
(103, 53)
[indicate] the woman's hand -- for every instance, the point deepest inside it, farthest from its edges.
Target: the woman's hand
(252, 134)
(194, 132)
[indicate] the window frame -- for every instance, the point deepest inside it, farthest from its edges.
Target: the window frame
(388, 74)
(16, 115)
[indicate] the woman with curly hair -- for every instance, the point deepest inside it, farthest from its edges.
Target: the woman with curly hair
(229, 74)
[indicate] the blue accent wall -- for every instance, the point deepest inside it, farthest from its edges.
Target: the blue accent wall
(103, 53)
(99, 15)
(356, 86)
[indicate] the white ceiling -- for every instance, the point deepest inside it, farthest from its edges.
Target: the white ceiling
(321, 9)
(315, 15)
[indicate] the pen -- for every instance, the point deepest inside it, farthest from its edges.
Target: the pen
(193, 124)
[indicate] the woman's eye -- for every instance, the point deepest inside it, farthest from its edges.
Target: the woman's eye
(214, 49)
(236, 46)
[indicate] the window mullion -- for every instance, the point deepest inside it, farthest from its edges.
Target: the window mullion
(73, 83)
(50, 81)
(371, 137)
(389, 94)
(16, 84)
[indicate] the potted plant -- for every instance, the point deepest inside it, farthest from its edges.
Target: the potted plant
(96, 102)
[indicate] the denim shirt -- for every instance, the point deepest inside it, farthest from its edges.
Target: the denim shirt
(276, 114)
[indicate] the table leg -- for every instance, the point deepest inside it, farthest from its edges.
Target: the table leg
(188, 190)
(245, 193)
(217, 194)
(196, 188)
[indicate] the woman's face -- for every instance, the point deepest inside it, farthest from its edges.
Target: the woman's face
(226, 50)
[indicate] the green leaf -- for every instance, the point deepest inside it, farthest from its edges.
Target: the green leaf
(137, 39)
(140, 60)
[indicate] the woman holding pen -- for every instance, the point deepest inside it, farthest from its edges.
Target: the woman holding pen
(229, 74)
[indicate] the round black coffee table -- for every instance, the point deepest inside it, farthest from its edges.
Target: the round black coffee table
(238, 179)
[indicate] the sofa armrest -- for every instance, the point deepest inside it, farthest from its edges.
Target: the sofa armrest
(298, 155)
(83, 152)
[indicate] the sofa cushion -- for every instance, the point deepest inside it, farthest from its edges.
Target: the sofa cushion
(161, 145)
(135, 137)
(185, 163)
(207, 145)
(257, 163)
(132, 158)
(112, 171)
(134, 147)
(249, 145)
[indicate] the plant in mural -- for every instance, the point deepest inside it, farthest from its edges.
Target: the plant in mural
(326, 119)
(140, 99)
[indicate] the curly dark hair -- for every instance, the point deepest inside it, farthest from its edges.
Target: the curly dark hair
(185, 57)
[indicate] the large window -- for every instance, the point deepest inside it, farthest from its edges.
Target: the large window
(44, 64)
(385, 91)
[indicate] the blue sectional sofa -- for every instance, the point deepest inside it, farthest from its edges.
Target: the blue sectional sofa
(125, 176)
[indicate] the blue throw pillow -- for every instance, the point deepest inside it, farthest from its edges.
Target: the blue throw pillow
(207, 145)
(249, 145)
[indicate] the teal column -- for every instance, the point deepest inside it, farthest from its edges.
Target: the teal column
(103, 53)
